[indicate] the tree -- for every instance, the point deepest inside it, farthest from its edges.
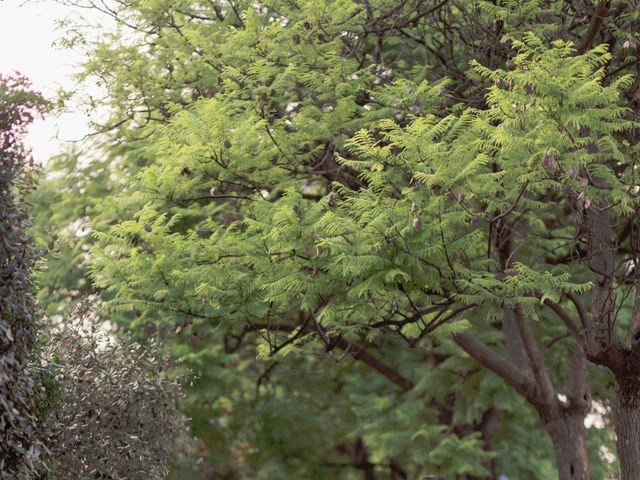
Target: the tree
(19, 446)
(334, 176)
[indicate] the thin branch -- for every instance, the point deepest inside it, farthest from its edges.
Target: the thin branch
(582, 312)
(566, 319)
(354, 351)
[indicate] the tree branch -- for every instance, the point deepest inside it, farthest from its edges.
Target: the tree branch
(358, 353)
(536, 359)
(363, 356)
(582, 313)
(566, 319)
(577, 387)
(486, 357)
(513, 341)
(599, 14)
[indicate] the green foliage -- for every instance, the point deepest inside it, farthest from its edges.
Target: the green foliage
(288, 185)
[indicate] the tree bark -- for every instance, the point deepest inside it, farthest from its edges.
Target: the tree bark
(604, 345)
(626, 414)
(568, 435)
(564, 424)
(513, 342)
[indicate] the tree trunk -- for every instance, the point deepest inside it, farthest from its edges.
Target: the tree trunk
(568, 435)
(627, 419)
(604, 345)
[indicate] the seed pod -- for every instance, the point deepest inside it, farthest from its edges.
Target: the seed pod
(550, 163)
(147, 227)
(414, 207)
(460, 197)
(331, 201)
(227, 144)
(510, 65)
(416, 224)
(308, 25)
(583, 202)
(185, 172)
(528, 89)
(296, 38)
(627, 44)
(500, 84)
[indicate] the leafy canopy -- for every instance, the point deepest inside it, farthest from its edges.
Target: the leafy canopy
(288, 185)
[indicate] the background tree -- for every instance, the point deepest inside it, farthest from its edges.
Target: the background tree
(264, 217)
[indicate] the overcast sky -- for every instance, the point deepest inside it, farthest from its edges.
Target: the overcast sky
(28, 37)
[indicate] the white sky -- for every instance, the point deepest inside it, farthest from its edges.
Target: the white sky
(28, 35)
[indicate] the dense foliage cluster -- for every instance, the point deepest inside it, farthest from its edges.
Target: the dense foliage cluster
(19, 448)
(112, 406)
(391, 238)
